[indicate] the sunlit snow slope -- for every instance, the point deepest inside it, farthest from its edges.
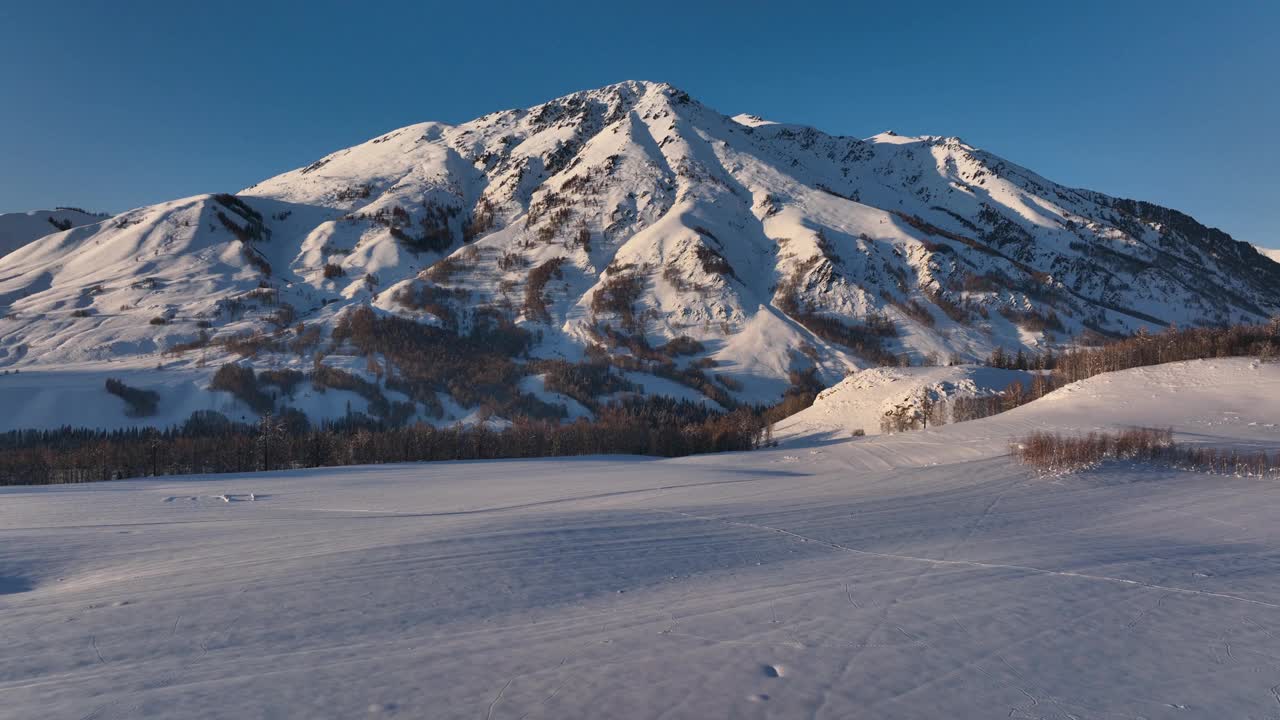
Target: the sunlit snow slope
(906, 576)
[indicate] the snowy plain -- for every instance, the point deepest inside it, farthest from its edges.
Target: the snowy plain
(903, 576)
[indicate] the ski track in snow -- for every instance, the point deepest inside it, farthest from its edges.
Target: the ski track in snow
(905, 576)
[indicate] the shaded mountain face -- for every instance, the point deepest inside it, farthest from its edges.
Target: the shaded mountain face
(634, 225)
(21, 228)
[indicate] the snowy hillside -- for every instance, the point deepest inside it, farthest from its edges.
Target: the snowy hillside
(18, 229)
(918, 575)
(635, 226)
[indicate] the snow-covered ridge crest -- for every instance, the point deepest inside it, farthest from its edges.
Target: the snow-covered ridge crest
(19, 229)
(626, 217)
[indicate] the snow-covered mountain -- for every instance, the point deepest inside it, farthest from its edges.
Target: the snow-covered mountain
(18, 229)
(1273, 253)
(718, 255)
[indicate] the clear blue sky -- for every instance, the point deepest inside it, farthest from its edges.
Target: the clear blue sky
(112, 105)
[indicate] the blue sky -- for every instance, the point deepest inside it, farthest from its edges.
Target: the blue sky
(111, 105)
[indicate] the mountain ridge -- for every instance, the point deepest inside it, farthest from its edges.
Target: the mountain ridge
(634, 225)
(21, 228)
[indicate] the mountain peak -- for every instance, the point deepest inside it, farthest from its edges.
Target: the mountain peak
(705, 257)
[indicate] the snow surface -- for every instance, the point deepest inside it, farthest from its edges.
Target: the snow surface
(906, 576)
(1272, 253)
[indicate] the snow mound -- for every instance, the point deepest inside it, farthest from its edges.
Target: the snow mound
(859, 401)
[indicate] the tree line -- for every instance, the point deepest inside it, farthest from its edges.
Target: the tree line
(208, 443)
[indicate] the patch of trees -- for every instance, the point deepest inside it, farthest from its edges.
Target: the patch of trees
(681, 345)
(1033, 320)
(62, 225)
(201, 340)
(535, 301)
(799, 395)
(511, 261)
(433, 299)
(713, 263)
(617, 295)
(481, 221)
(584, 382)
(333, 271)
(961, 313)
(82, 211)
(435, 233)
(353, 192)
(255, 259)
(285, 379)
(556, 220)
(642, 357)
(141, 403)
(582, 237)
(443, 270)
(242, 382)
(393, 413)
(865, 339)
(254, 228)
(477, 368)
(912, 308)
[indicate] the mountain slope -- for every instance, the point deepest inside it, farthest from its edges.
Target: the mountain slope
(18, 229)
(635, 224)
